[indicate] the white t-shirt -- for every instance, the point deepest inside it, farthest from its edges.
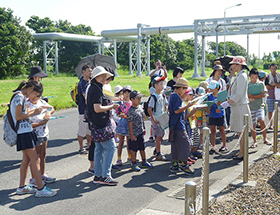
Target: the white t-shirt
(43, 130)
(221, 82)
(160, 107)
(24, 126)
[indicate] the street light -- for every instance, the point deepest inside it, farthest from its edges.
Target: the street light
(225, 26)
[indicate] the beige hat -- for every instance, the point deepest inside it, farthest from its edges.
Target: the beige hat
(181, 82)
(99, 70)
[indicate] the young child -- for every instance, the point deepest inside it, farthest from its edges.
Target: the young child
(39, 125)
(191, 124)
(135, 118)
(118, 94)
(180, 145)
(26, 138)
(216, 118)
(122, 127)
(161, 107)
(257, 107)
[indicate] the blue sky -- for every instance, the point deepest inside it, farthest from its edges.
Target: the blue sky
(124, 14)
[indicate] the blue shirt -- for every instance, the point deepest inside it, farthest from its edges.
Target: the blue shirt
(176, 120)
(214, 108)
(82, 86)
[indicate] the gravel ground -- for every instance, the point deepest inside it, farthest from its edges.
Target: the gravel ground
(264, 198)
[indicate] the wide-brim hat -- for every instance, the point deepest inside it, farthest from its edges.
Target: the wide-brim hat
(37, 71)
(127, 88)
(118, 89)
(181, 82)
(99, 70)
(218, 67)
(239, 60)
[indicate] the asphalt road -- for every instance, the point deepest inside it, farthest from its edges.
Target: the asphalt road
(76, 192)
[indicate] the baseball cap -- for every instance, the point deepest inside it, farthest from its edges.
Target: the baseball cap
(189, 91)
(213, 85)
(262, 74)
(135, 94)
(157, 79)
(127, 88)
(200, 91)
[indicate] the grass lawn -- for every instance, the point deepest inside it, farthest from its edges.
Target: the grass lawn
(61, 86)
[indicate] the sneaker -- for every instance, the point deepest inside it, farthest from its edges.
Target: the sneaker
(151, 139)
(193, 157)
(174, 168)
(116, 167)
(191, 160)
(45, 192)
(197, 154)
(27, 189)
(108, 181)
(83, 151)
(146, 165)
(119, 162)
(32, 182)
(213, 150)
(134, 167)
(48, 179)
(186, 169)
(161, 157)
(97, 179)
(223, 149)
(155, 152)
(91, 171)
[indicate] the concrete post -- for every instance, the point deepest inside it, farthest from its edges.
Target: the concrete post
(139, 37)
(148, 56)
(195, 74)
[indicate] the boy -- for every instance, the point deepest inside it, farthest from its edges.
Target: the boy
(257, 106)
(180, 145)
(135, 118)
(156, 108)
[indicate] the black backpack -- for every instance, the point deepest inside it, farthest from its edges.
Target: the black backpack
(146, 104)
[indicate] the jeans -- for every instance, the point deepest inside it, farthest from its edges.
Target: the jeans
(103, 157)
(228, 111)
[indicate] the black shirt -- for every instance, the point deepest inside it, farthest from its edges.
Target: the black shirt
(95, 96)
(171, 83)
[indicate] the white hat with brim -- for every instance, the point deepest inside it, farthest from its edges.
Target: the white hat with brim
(99, 70)
(239, 60)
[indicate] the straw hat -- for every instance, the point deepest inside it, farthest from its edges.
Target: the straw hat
(99, 70)
(181, 82)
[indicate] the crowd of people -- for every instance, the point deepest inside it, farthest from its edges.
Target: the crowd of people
(107, 120)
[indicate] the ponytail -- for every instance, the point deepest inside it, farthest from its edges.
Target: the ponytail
(21, 85)
(38, 87)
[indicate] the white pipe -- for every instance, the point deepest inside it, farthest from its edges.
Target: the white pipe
(66, 36)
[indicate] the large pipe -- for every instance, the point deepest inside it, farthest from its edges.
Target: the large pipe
(66, 36)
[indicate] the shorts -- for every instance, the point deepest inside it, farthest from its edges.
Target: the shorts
(157, 130)
(40, 140)
(256, 115)
(122, 127)
(217, 121)
(26, 141)
(139, 144)
(83, 129)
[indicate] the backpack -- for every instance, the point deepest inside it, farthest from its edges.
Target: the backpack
(10, 130)
(74, 94)
(146, 104)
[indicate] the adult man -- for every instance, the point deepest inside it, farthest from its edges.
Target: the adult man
(83, 129)
(159, 70)
(272, 81)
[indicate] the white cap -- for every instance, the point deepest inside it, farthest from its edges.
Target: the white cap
(118, 88)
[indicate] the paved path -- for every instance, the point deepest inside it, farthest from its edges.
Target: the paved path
(155, 191)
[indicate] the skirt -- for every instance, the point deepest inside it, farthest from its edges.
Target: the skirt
(237, 117)
(122, 127)
(26, 141)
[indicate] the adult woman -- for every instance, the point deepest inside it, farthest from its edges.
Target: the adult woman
(216, 75)
(238, 99)
(37, 74)
(177, 73)
(26, 138)
(99, 116)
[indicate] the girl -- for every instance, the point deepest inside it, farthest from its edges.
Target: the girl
(122, 127)
(26, 139)
(39, 125)
(216, 117)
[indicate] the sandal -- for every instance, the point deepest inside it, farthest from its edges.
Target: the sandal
(267, 143)
(254, 145)
(82, 151)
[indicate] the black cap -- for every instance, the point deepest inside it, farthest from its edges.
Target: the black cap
(37, 71)
(135, 94)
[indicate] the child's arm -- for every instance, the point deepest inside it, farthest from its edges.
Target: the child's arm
(132, 137)
(43, 122)
(20, 116)
(191, 113)
(260, 96)
(181, 109)
(152, 115)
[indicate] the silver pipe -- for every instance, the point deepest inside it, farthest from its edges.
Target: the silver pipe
(205, 191)
(245, 149)
(275, 130)
(190, 198)
(66, 36)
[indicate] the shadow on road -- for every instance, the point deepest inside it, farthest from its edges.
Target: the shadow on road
(8, 165)
(60, 142)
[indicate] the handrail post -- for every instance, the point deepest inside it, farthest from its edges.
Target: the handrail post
(190, 198)
(245, 149)
(275, 130)
(205, 191)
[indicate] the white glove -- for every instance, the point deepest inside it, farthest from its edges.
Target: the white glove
(225, 105)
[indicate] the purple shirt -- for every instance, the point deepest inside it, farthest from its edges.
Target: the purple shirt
(271, 94)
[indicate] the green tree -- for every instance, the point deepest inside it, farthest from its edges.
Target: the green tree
(185, 54)
(15, 45)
